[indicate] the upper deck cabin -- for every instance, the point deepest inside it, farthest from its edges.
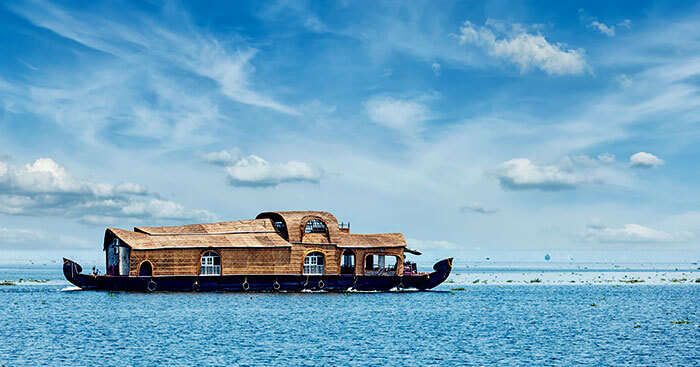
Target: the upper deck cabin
(279, 243)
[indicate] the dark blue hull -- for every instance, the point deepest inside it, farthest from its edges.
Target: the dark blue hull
(255, 283)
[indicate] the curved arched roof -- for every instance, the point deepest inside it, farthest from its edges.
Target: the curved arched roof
(259, 232)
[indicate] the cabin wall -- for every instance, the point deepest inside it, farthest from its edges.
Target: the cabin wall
(167, 262)
(287, 260)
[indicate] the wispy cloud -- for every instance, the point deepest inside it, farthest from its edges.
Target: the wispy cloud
(127, 39)
(398, 114)
(603, 28)
(147, 87)
(526, 50)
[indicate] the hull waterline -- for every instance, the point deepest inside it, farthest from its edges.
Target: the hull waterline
(256, 283)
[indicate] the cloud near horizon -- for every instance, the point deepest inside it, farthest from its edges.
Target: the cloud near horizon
(632, 233)
(44, 188)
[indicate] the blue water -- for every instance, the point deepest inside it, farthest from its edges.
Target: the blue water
(485, 325)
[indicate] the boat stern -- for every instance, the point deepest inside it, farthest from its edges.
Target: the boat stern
(72, 272)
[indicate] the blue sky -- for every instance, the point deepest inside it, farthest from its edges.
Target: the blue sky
(478, 129)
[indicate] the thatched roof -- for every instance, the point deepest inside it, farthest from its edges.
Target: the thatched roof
(371, 240)
(258, 232)
(242, 233)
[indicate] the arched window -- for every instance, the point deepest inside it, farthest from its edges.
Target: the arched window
(313, 264)
(211, 264)
(347, 264)
(315, 226)
(146, 269)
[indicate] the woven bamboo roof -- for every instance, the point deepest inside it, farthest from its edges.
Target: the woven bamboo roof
(250, 225)
(247, 233)
(372, 240)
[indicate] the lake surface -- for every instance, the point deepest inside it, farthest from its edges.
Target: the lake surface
(515, 325)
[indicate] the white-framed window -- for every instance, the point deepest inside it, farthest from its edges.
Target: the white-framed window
(313, 264)
(211, 264)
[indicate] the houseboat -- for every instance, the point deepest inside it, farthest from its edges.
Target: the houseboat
(276, 251)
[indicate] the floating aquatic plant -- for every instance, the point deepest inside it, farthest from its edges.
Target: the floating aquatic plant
(632, 281)
(6, 282)
(680, 322)
(475, 281)
(536, 280)
(458, 289)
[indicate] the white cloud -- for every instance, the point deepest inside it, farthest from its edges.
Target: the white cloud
(524, 49)
(130, 188)
(645, 160)
(522, 174)
(632, 233)
(222, 158)
(478, 208)
(603, 28)
(397, 114)
(46, 188)
(436, 68)
(253, 171)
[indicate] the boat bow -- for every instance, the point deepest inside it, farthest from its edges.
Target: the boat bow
(430, 280)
